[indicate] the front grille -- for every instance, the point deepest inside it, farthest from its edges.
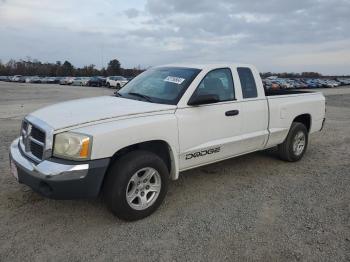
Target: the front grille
(38, 134)
(33, 140)
(24, 125)
(36, 150)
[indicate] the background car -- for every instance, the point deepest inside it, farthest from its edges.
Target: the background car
(274, 82)
(21, 79)
(44, 80)
(116, 81)
(344, 81)
(33, 79)
(53, 80)
(96, 81)
(16, 78)
(333, 83)
(80, 81)
(312, 83)
(4, 78)
(66, 80)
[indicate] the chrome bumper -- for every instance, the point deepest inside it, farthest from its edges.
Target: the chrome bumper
(46, 169)
(59, 179)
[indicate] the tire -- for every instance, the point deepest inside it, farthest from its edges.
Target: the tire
(119, 183)
(294, 146)
(108, 85)
(118, 86)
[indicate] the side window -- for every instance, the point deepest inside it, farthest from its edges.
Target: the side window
(219, 82)
(247, 82)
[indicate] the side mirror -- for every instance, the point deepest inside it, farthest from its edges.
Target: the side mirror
(203, 99)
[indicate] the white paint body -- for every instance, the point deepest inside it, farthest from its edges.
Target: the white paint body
(115, 123)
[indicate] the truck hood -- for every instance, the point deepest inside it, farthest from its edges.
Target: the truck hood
(88, 110)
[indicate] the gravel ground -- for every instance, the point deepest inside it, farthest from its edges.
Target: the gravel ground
(251, 208)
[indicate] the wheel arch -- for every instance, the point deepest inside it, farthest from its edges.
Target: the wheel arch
(159, 147)
(305, 119)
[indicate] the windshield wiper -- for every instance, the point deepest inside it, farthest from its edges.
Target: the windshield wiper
(118, 94)
(142, 96)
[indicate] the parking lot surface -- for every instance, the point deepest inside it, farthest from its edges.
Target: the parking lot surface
(251, 208)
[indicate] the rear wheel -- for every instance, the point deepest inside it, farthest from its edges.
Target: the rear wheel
(294, 146)
(136, 185)
(108, 85)
(118, 86)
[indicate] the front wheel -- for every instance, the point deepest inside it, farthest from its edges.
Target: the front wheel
(294, 146)
(136, 185)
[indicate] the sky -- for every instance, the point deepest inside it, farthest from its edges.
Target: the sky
(274, 35)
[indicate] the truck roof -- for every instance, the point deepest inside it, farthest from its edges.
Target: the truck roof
(207, 66)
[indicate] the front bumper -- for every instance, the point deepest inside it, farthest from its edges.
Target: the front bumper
(59, 179)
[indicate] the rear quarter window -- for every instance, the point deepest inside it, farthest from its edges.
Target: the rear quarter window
(247, 82)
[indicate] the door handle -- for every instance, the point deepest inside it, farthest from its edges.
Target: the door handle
(232, 113)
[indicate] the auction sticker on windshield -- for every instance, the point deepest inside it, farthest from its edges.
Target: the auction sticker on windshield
(174, 79)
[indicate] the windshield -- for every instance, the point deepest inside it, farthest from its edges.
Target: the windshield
(163, 85)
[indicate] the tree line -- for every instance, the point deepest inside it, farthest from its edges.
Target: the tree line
(35, 67)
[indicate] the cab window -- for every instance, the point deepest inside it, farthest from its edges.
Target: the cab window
(217, 82)
(247, 82)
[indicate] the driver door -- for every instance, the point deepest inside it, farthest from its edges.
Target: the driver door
(211, 131)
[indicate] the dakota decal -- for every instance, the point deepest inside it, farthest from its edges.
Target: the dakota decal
(203, 153)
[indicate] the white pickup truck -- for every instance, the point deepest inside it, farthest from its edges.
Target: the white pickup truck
(168, 119)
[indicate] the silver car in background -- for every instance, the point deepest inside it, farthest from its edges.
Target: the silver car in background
(80, 81)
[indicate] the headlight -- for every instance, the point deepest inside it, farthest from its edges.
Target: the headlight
(72, 146)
